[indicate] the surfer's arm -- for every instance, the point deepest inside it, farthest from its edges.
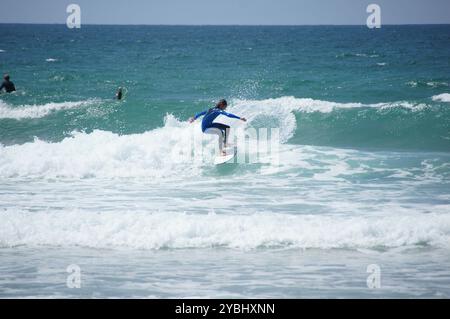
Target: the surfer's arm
(233, 116)
(192, 119)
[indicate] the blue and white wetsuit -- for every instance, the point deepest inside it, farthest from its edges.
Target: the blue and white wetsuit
(208, 127)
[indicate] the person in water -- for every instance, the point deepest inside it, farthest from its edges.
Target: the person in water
(7, 84)
(119, 94)
(221, 130)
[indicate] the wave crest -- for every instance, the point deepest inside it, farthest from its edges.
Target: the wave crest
(444, 97)
(39, 111)
(141, 230)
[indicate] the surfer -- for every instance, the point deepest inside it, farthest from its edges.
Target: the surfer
(219, 129)
(119, 94)
(7, 84)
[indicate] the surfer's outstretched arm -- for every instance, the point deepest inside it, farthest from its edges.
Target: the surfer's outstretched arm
(192, 119)
(233, 116)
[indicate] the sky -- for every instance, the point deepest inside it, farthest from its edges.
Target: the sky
(226, 12)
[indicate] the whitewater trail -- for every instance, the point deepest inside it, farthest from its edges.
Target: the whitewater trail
(38, 111)
(144, 230)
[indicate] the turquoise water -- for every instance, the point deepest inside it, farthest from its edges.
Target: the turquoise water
(362, 173)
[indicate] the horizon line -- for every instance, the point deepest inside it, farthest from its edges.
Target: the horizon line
(222, 25)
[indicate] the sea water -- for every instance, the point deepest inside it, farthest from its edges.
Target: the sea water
(360, 189)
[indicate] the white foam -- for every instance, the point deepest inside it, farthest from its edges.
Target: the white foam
(367, 55)
(402, 104)
(145, 230)
(444, 97)
(436, 84)
(38, 111)
(280, 111)
(104, 154)
(359, 55)
(51, 60)
(107, 155)
(433, 84)
(307, 105)
(292, 104)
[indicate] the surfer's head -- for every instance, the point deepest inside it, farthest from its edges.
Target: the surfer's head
(222, 104)
(6, 77)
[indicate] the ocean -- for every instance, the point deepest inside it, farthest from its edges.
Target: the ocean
(357, 204)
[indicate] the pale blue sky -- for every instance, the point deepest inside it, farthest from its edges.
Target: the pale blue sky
(267, 12)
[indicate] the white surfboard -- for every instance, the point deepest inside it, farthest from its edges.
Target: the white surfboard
(222, 159)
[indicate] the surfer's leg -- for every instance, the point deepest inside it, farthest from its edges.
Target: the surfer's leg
(225, 129)
(219, 133)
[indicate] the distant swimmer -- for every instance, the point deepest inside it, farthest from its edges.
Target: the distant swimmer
(7, 84)
(119, 94)
(221, 130)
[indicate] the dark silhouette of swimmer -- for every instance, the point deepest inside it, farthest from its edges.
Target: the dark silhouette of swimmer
(7, 84)
(119, 94)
